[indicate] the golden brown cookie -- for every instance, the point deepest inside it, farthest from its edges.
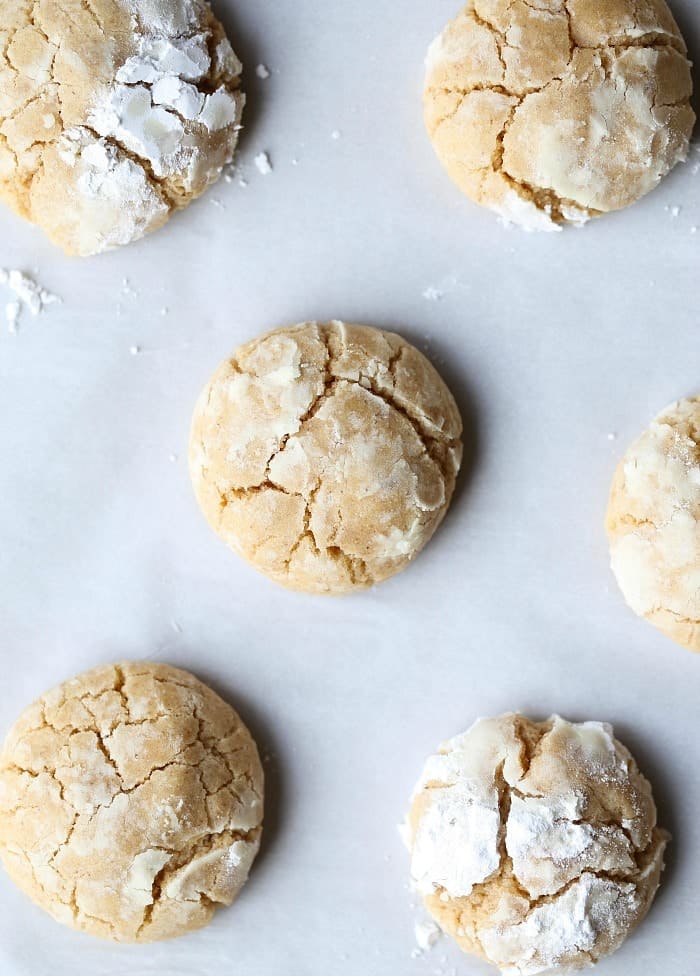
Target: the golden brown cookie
(131, 802)
(113, 114)
(653, 523)
(326, 454)
(553, 112)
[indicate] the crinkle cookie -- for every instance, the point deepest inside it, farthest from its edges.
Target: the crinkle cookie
(557, 111)
(113, 114)
(653, 523)
(326, 454)
(535, 844)
(131, 803)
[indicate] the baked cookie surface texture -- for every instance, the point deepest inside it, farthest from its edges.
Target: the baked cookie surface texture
(556, 111)
(653, 523)
(113, 114)
(326, 454)
(535, 845)
(131, 803)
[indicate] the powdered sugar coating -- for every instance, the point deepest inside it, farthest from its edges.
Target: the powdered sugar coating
(535, 845)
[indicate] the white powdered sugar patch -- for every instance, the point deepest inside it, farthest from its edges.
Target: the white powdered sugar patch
(30, 296)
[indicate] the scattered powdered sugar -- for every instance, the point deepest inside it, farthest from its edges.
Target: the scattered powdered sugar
(432, 294)
(262, 161)
(262, 71)
(336, 134)
(30, 296)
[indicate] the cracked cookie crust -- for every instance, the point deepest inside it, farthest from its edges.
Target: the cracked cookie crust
(131, 803)
(326, 454)
(534, 844)
(554, 111)
(113, 114)
(653, 523)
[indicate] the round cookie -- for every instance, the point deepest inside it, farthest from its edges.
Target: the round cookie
(326, 454)
(113, 114)
(653, 523)
(553, 112)
(534, 844)
(131, 803)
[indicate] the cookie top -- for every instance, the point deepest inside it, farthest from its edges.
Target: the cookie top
(535, 844)
(553, 112)
(653, 523)
(113, 114)
(326, 454)
(131, 802)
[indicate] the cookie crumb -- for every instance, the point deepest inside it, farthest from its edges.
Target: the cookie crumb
(262, 161)
(433, 294)
(427, 934)
(12, 313)
(262, 71)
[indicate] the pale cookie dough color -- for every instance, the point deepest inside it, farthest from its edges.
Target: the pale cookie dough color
(131, 803)
(534, 844)
(653, 523)
(326, 454)
(113, 114)
(553, 112)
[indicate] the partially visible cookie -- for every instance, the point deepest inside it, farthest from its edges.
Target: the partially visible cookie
(553, 112)
(535, 844)
(131, 803)
(326, 454)
(653, 523)
(113, 114)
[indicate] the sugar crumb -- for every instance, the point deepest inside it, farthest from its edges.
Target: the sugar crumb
(262, 161)
(262, 71)
(29, 296)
